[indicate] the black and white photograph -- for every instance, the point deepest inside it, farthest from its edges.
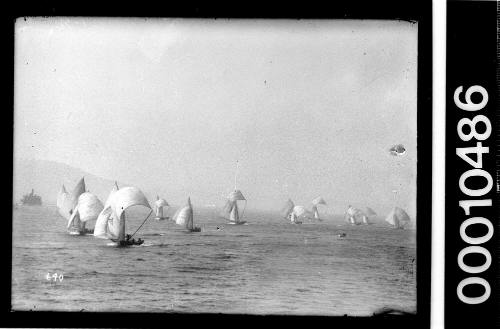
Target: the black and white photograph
(225, 166)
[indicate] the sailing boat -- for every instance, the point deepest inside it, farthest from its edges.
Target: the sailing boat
(111, 221)
(299, 211)
(316, 202)
(354, 216)
(287, 209)
(184, 217)
(88, 208)
(68, 201)
(159, 204)
(369, 212)
(231, 208)
(398, 218)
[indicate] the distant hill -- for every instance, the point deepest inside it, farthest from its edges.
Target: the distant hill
(46, 178)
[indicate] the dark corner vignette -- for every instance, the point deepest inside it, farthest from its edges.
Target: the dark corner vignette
(472, 121)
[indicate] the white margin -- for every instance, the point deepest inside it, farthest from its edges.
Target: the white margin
(438, 161)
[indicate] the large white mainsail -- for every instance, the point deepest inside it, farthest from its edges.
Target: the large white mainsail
(287, 209)
(88, 208)
(398, 218)
(102, 225)
(70, 200)
(111, 221)
(159, 204)
(231, 209)
(184, 216)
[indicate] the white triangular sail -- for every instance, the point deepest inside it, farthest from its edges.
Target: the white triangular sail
(184, 216)
(398, 218)
(70, 200)
(74, 222)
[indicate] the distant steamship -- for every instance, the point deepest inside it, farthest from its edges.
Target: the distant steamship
(31, 199)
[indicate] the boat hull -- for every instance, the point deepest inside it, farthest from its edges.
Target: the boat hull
(195, 229)
(237, 223)
(162, 218)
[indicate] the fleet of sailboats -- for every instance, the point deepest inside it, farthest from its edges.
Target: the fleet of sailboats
(79, 207)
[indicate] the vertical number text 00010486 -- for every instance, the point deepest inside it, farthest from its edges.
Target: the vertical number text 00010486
(466, 205)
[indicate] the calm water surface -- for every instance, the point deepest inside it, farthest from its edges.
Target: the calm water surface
(266, 267)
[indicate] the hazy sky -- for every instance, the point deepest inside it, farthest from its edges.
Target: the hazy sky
(308, 108)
